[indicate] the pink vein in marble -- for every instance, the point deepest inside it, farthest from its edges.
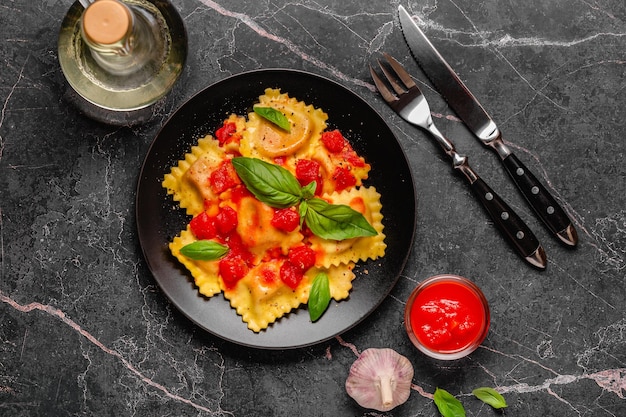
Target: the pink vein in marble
(27, 308)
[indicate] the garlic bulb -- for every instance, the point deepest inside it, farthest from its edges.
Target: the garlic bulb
(380, 379)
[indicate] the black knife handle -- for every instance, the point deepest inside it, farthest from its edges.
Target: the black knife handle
(542, 202)
(510, 225)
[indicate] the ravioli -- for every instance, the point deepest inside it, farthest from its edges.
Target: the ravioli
(272, 256)
(264, 140)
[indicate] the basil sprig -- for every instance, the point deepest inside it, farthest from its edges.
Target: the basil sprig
(490, 397)
(274, 116)
(447, 404)
(271, 184)
(277, 187)
(336, 221)
(319, 297)
(204, 250)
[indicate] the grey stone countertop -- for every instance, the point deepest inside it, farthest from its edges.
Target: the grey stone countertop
(86, 331)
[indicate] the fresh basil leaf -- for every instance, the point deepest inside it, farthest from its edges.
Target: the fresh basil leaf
(319, 297)
(304, 207)
(271, 184)
(308, 191)
(490, 397)
(204, 250)
(336, 221)
(447, 404)
(274, 116)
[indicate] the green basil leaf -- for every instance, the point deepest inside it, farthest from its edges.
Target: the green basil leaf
(319, 297)
(308, 191)
(271, 184)
(336, 221)
(204, 250)
(490, 397)
(447, 404)
(304, 207)
(274, 116)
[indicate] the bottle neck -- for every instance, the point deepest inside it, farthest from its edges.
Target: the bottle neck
(120, 41)
(106, 25)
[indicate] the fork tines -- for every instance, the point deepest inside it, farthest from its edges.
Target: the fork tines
(394, 76)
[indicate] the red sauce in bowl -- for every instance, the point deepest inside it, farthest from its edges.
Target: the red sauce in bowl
(447, 317)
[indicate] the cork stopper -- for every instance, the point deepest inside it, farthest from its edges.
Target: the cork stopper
(106, 22)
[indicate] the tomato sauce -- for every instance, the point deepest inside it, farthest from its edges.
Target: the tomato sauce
(447, 317)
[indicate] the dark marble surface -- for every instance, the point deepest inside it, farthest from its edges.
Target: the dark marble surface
(85, 330)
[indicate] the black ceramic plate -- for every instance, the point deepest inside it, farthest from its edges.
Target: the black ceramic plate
(159, 219)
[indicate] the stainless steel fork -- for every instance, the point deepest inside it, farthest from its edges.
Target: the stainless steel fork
(408, 101)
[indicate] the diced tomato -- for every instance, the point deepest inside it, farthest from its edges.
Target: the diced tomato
(239, 192)
(290, 274)
(224, 177)
(203, 226)
(226, 220)
(286, 220)
(225, 133)
(333, 141)
(302, 256)
(232, 269)
(307, 171)
(236, 246)
(343, 178)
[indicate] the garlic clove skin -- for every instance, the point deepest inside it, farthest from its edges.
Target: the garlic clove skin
(380, 379)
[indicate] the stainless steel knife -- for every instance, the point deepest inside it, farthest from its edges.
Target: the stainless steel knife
(467, 107)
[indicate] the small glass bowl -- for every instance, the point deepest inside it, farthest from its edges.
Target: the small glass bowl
(470, 288)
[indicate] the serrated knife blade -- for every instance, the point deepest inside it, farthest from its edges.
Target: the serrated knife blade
(469, 109)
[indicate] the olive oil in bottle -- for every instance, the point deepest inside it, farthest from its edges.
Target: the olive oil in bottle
(121, 58)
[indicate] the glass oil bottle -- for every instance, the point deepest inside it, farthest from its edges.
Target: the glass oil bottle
(121, 58)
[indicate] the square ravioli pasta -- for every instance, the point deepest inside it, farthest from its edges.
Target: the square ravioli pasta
(274, 202)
